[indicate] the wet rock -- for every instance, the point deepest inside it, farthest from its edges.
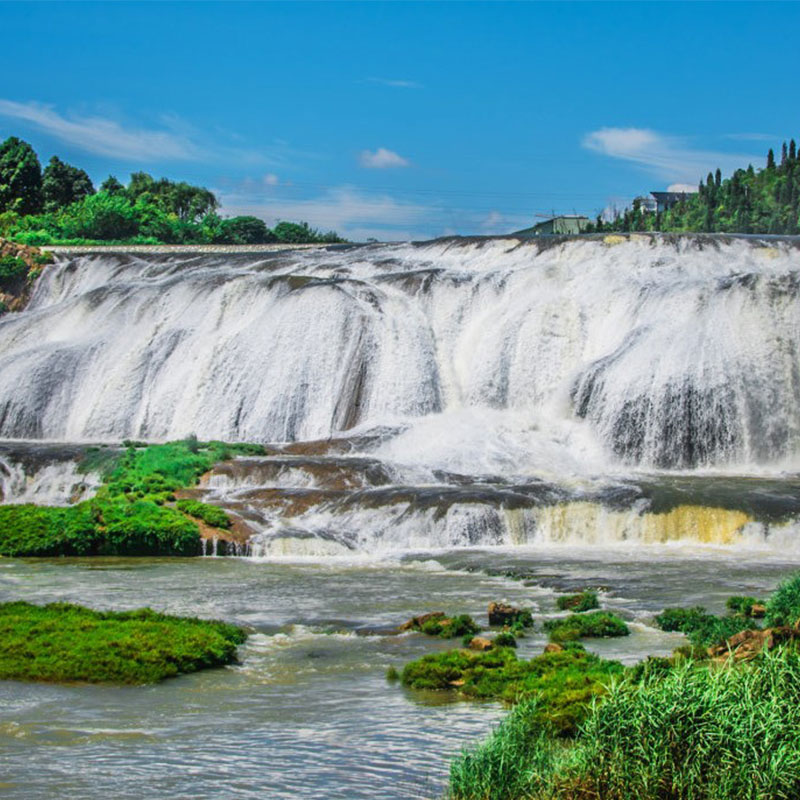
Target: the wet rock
(479, 643)
(758, 610)
(552, 647)
(416, 623)
(502, 614)
(748, 644)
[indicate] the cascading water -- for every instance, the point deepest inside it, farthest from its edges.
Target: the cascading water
(495, 391)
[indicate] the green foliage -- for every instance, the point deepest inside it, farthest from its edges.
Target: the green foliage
(742, 605)
(594, 624)
(505, 639)
(565, 682)
(702, 629)
(13, 272)
(767, 201)
(20, 177)
(450, 627)
(783, 607)
(392, 674)
(128, 515)
(64, 643)
(63, 184)
(244, 230)
(690, 733)
(583, 601)
(62, 208)
(204, 511)
(516, 757)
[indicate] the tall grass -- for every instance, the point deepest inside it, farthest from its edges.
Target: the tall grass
(694, 733)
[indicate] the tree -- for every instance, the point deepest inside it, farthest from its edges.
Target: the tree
(112, 186)
(792, 150)
(784, 154)
(20, 177)
(63, 184)
(101, 216)
(770, 159)
(718, 178)
(246, 230)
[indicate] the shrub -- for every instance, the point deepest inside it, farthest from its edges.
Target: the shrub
(204, 511)
(63, 642)
(702, 629)
(450, 627)
(597, 624)
(783, 607)
(583, 601)
(505, 640)
(742, 605)
(13, 272)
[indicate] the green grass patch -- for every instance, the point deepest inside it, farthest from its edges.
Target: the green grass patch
(597, 624)
(128, 515)
(62, 643)
(701, 628)
(690, 733)
(204, 511)
(742, 605)
(449, 627)
(565, 682)
(582, 601)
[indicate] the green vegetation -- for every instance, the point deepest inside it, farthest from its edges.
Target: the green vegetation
(750, 201)
(61, 642)
(13, 272)
(61, 206)
(505, 639)
(783, 607)
(583, 601)
(703, 629)
(205, 511)
(450, 627)
(596, 624)
(742, 605)
(692, 733)
(566, 682)
(130, 514)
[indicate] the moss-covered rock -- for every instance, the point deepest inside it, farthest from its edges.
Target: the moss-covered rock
(597, 624)
(61, 642)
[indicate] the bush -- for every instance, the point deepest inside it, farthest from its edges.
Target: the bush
(702, 629)
(742, 605)
(13, 272)
(505, 640)
(63, 642)
(597, 624)
(783, 607)
(99, 216)
(583, 601)
(204, 511)
(245, 230)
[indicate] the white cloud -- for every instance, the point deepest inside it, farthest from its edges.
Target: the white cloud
(382, 159)
(667, 157)
(396, 84)
(271, 179)
(348, 211)
(687, 188)
(103, 136)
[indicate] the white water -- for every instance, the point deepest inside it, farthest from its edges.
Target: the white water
(488, 363)
(647, 352)
(55, 484)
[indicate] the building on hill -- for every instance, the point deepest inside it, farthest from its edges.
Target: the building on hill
(665, 200)
(561, 224)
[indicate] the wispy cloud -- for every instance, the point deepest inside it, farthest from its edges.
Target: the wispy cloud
(103, 136)
(668, 157)
(349, 211)
(752, 137)
(382, 159)
(395, 84)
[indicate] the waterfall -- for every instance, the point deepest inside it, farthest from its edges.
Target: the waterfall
(502, 362)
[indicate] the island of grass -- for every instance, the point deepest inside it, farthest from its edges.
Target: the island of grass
(64, 643)
(134, 513)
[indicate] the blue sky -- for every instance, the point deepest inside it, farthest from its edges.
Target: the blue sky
(404, 120)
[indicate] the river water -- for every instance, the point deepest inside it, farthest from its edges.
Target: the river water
(308, 712)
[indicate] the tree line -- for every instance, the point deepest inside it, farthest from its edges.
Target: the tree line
(750, 201)
(59, 204)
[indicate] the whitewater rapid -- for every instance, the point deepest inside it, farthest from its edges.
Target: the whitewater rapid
(650, 352)
(503, 391)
